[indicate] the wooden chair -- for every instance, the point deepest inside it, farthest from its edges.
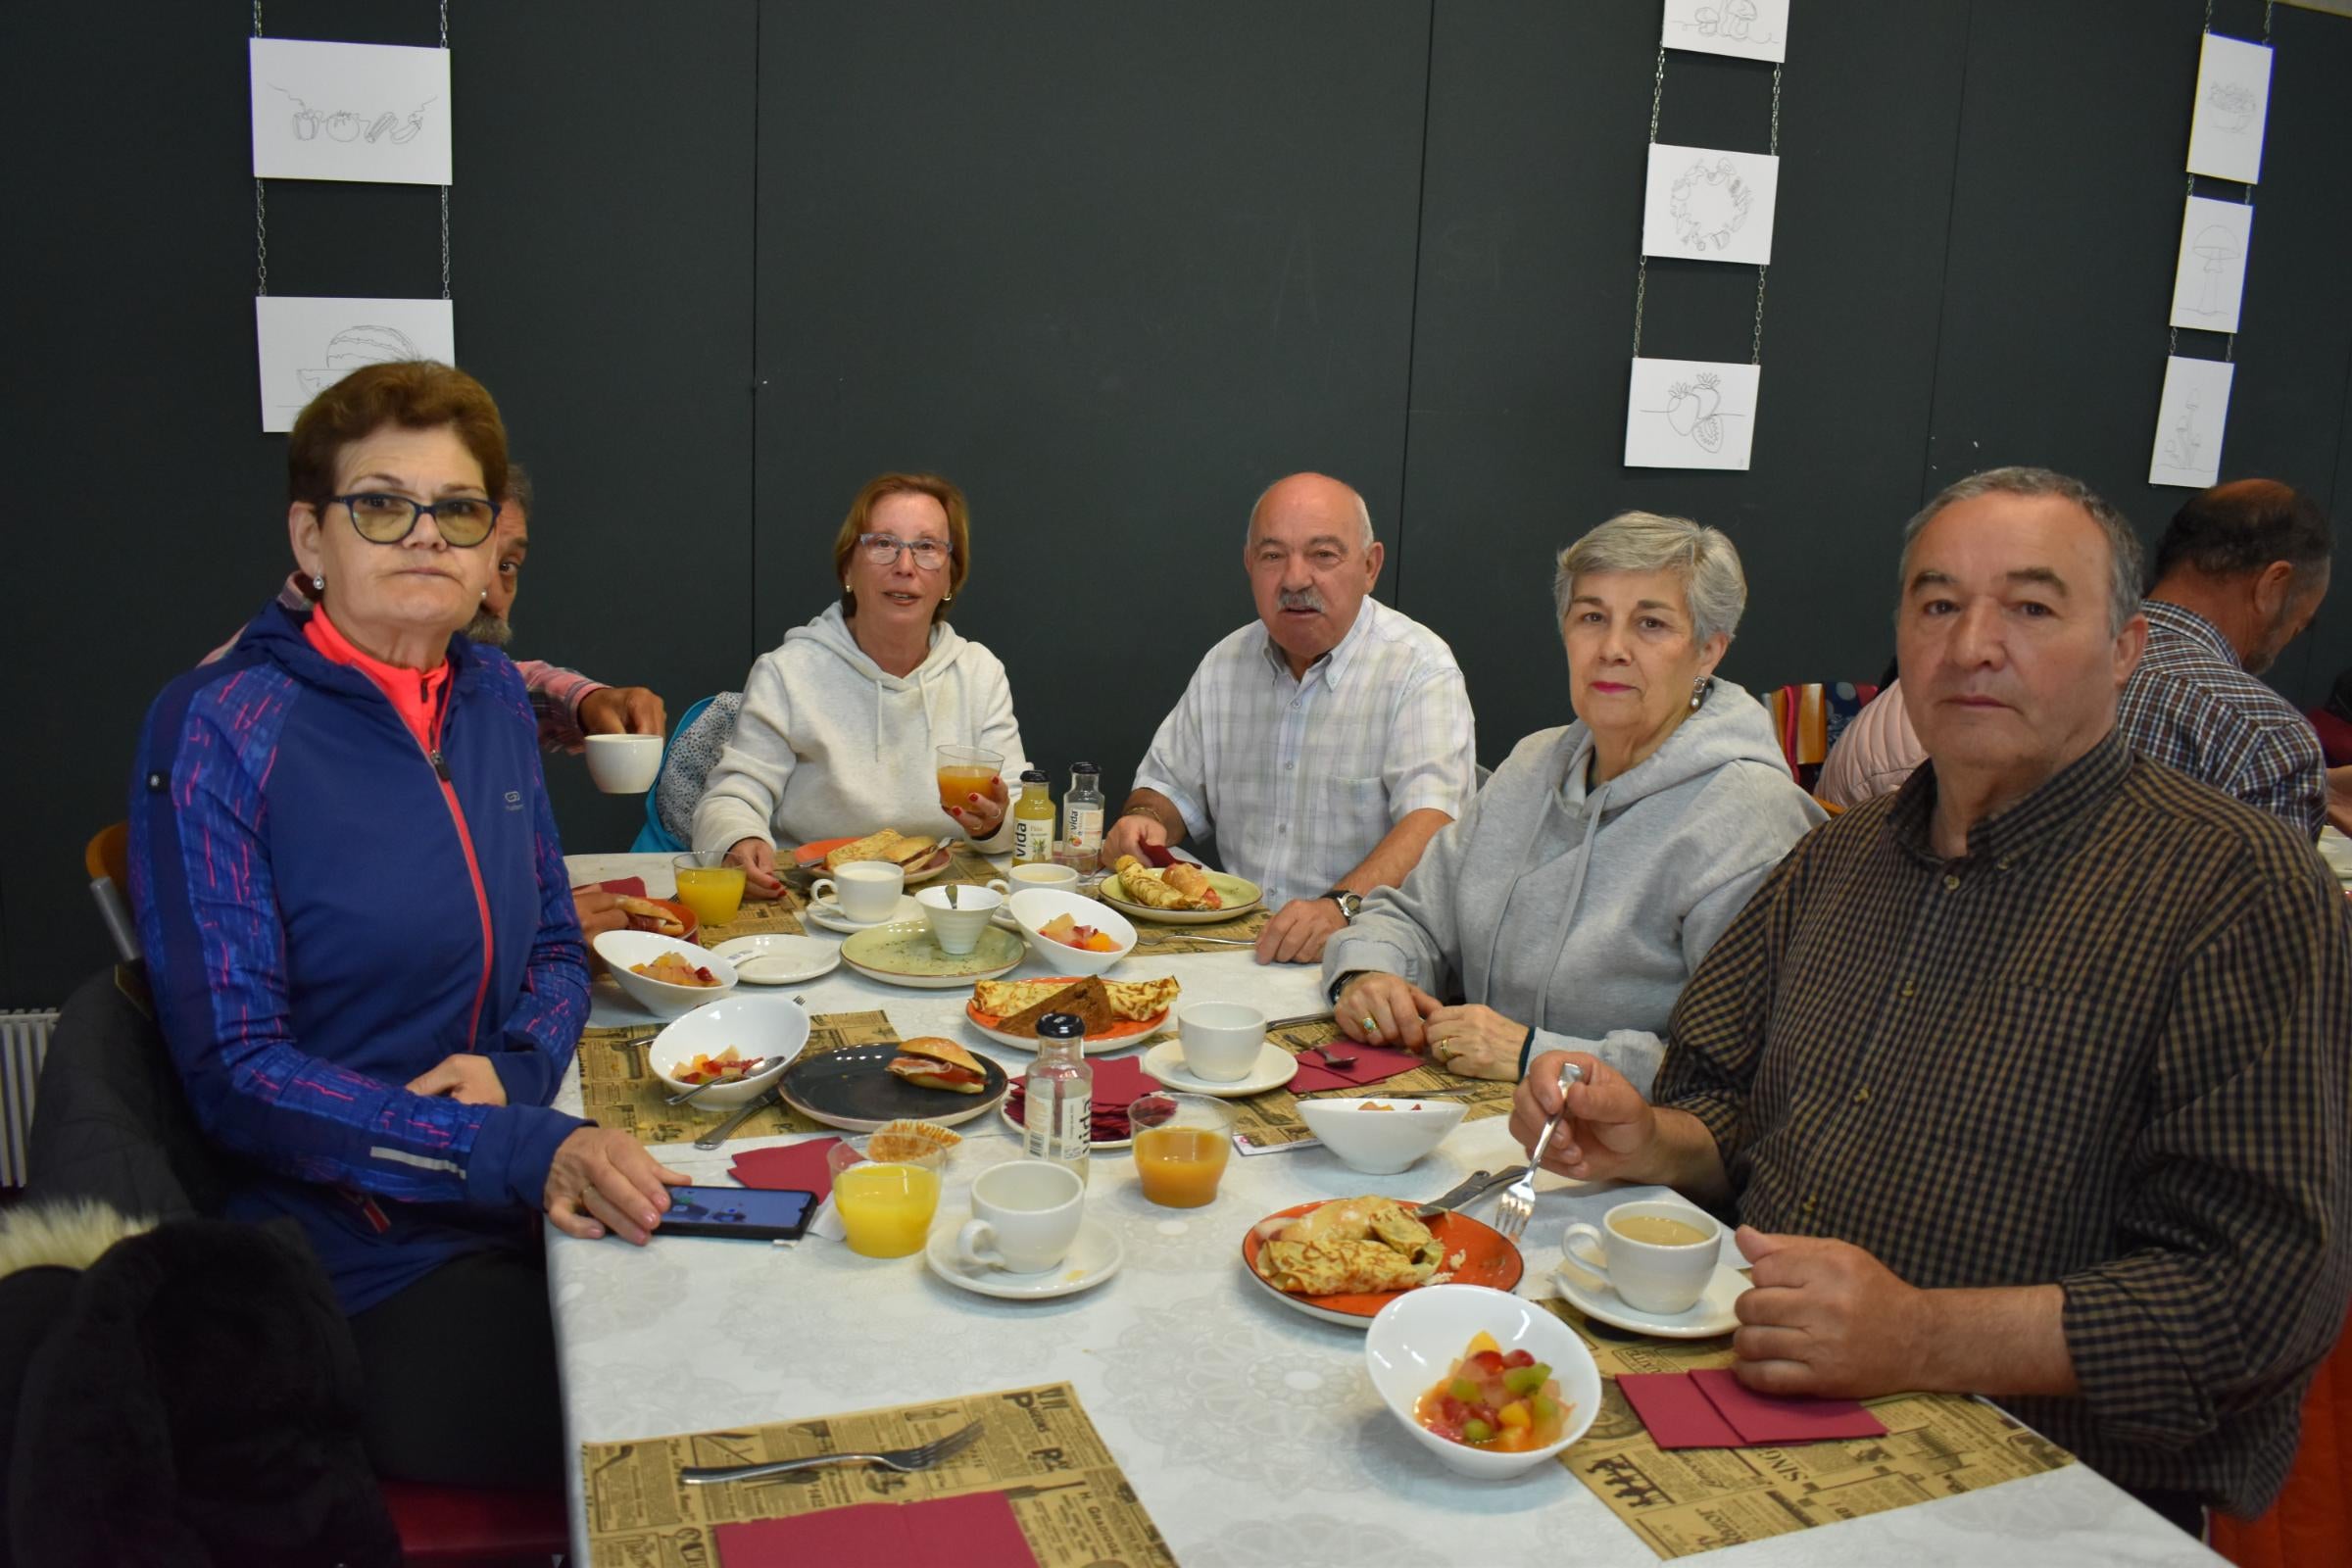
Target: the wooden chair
(2312, 1520)
(107, 860)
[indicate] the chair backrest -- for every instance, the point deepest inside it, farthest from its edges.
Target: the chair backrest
(656, 838)
(1809, 718)
(2312, 1520)
(106, 859)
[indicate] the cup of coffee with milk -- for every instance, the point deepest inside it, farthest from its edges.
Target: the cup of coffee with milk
(1656, 1256)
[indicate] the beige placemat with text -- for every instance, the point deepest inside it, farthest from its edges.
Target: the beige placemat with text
(1075, 1506)
(618, 1090)
(1685, 1500)
(1271, 1119)
(1160, 941)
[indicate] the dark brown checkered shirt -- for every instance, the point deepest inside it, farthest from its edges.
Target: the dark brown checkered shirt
(2107, 1047)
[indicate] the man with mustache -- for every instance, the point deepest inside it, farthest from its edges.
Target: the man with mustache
(2028, 1080)
(1324, 745)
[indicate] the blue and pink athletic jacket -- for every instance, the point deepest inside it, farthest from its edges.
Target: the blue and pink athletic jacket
(330, 907)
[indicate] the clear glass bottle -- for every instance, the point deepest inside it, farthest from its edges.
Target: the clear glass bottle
(1058, 1114)
(1082, 814)
(1033, 821)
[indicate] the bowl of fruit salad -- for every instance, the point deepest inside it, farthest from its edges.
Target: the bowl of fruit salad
(1070, 933)
(662, 974)
(1491, 1384)
(737, 1047)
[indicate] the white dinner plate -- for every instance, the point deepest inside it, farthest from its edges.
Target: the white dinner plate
(1711, 1315)
(1273, 1068)
(772, 959)
(1095, 1256)
(827, 914)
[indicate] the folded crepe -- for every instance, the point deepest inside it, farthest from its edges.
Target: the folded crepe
(1145, 887)
(929, 1061)
(1348, 1246)
(1192, 883)
(1131, 1000)
(647, 915)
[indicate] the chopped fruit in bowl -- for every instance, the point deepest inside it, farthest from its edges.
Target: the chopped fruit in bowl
(1065, 929)
(1503, 1401)
(728, 1067)
(672, 970)
(1523, 1389)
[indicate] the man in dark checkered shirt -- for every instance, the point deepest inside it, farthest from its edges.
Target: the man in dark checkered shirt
(2031, 1079)
(2240, 574)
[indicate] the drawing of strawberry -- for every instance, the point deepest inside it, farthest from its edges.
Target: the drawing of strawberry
(1682, 408)
(1707, 430)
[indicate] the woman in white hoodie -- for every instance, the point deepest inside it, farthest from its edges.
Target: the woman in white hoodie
(840, 726)
(1591, 874)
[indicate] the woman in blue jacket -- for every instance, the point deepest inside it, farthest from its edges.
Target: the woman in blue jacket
(361, 938)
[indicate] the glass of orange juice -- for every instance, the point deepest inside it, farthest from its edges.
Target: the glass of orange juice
(710, 885)
(967, 771)
(886, 1205)
(1182, 1143)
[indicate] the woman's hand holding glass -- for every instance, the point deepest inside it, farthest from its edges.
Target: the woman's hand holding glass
(758, 858)
(603, 1179)
(982, 813)
(1385, 1010)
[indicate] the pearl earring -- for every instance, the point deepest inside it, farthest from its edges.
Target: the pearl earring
(319, 582)
(1698, 692)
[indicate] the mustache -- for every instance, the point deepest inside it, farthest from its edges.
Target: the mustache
(491, 631)
(1302, 599)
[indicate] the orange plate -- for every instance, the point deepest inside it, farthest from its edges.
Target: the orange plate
(1124, 1029)
(808, 854)
(1488, 1259)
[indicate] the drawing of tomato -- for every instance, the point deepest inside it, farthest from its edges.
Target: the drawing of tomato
(343, 126)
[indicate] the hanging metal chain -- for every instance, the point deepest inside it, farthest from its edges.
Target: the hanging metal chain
(444, 24)
(1755, 346)
(261, 205)
(1658, 99)
(445, 294)
(257, 18)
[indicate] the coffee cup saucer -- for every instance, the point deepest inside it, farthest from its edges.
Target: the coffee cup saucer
(829, 914)
(1711, 1315)
(1095, 1256)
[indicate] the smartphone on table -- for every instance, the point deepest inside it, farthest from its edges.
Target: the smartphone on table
(751, 1214)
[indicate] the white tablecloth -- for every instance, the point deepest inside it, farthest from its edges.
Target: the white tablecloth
(1251, 1430)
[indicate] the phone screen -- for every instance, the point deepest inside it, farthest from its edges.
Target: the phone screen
(750, 1212)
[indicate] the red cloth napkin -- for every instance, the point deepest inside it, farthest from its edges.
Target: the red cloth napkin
(1373, 1064)
(628, 887)
(1158, 855)
(1713, 1409)
(974, 1531)
(1118, 1081)
(793, 1168)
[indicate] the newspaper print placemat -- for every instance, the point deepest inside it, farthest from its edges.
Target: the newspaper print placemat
(1271, 1120)
(618, 1090)
(1685, 1500)
(1160, 941)
(1037, 1448)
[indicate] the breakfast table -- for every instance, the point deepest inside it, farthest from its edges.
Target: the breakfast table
(1250, 1431)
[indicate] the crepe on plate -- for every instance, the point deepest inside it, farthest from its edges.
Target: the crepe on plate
(1181, 886)
(1349, 1247)
(1019, 1004)
(930, 1062)
(888, 845)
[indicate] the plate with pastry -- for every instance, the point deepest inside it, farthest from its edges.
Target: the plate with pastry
(865, 1087)
(1117, 1013)
(1184, 894)
(902, 953)
(921, 859)
(1342, 1260)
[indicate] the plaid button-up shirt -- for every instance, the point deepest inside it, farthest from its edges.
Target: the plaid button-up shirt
(2191, 705)
(2109, 1048)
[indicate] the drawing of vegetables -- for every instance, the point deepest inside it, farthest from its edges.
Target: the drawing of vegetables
(343, 126)
(1691, 409)
(306, 126)
(407, 133)
(2234, 105)
(383, 122)
(1710, 204)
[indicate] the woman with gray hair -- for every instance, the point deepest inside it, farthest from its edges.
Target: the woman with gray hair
(1599, 865)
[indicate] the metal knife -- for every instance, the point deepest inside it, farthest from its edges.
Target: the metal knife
(718, 1134)
(1469, 1192)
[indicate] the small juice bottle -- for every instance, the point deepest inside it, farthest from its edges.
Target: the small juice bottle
(1033, 821)
(1059, 1117)
(1082, 812)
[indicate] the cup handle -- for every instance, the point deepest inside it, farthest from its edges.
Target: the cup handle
(974, 1243)
(1597, 1263)
(997, 884)
(823, 888)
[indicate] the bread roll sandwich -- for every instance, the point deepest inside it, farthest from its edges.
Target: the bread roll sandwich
(931, 1062)
(647, 915)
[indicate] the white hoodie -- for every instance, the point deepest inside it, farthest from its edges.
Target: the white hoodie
(828, 744)
(1580, 914)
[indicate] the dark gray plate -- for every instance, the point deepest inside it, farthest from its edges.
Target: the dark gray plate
(854, 1091)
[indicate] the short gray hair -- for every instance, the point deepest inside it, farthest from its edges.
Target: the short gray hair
(1363, 513)
(1713, 585)
(2123, 545)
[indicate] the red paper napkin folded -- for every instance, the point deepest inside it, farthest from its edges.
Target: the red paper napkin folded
(793, 1168)
(1373, 1064)
(1158, 855)
(628, 887)
(1118, 1081)
(1713, 1409)
(975, 1531)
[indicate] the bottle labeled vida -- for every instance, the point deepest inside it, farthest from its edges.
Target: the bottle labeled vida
(1059, 1117)
(1033, 821)
(1082, 811)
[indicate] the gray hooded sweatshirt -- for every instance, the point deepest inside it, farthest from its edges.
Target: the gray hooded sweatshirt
(829, 744)
(1580, 914)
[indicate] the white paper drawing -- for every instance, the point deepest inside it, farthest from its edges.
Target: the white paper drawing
(1752, 30)
(2190, 418)
(2210, 277)
(308, 344)
(350, 111)
(1709, 205)
(1689, 413)
(2233, 99)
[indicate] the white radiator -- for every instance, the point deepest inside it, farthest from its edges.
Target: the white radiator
(23, 1042)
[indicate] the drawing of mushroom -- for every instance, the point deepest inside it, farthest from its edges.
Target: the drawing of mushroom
(1709, 203)
(354, 347)
(2219, 247)
(1734, 18)
(2180, 450)
(2234, 105)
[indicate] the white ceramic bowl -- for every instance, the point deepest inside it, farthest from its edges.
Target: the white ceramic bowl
(1380, 1143)
(620, 949)
(1034, 907)
(1419, 1336)
(624, 764)
(771, 1026)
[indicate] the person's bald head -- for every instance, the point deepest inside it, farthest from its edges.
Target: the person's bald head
(1317, 491)
(1311, 558)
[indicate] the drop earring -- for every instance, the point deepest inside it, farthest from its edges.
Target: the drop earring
(1698, 693)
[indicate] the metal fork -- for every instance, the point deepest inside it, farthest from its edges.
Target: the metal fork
(1517, 1204)
(922, 1456)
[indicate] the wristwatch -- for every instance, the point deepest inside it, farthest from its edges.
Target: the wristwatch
(1347, 902)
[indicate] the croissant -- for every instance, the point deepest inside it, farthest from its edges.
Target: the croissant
(1144, 886)
(1187, 878)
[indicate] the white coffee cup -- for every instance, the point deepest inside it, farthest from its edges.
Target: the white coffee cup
(624, 764)
(1040, 874)
(865, 890)
(1648, 1276)
(1221, 1039)
(1025, 1215)
(958, 915)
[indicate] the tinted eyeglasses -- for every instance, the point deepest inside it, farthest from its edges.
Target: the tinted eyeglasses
(386, 519)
